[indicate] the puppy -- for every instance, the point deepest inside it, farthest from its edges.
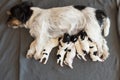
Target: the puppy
(70, 55)
(64, 43)
(45, 24)
(71, 51)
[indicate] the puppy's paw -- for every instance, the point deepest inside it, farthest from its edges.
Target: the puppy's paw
(81, 56)
(59, 60)
(44, 57)
(69, 64)
(96, 58)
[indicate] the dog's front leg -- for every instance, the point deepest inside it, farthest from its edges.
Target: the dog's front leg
(31, 51)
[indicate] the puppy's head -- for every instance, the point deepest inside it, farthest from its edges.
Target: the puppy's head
(19, 14)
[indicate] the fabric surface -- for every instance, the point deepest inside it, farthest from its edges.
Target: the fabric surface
(14, 44)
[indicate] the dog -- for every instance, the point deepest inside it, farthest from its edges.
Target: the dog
(46, 24)
(64, 43)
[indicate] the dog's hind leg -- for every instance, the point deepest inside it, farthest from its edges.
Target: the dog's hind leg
(31, 51)
(46, 51)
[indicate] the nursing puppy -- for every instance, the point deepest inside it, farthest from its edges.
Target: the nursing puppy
(64, 43)
(71, 51)
(46, 24)
(88, 46)
(70, 55)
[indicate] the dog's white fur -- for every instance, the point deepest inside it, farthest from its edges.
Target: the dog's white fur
(46, 24)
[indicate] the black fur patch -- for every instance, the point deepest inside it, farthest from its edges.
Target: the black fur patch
(65, 56)
(59, 38)
(22, 11)
(85, 52)
(60, 44)
(90, 40)
(45, 53)
(74, 38)
(100, 15)
(95, 53)
(66, 38)
(91, 46)
(65, 49)
(82, 34)
(58, 56)
(69, 50)
(101, 56)
(79, 7)
(43, 49)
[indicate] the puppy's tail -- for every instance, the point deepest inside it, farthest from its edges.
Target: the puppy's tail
(103, 21)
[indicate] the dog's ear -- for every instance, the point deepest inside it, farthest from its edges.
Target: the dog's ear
(22, 11)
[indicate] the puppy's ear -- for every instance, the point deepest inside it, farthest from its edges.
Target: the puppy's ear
(66, 38)
(82, 34)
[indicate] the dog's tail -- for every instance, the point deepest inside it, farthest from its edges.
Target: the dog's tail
(104, 21)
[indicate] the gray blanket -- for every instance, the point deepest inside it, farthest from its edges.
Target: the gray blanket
(14, 44)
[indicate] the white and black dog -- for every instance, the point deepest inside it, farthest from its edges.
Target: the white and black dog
(47, 24)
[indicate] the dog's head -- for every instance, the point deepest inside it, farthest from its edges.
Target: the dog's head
(19, 14)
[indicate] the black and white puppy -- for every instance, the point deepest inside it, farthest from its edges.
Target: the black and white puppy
(64, 43)
(46, 24)
(67, 51)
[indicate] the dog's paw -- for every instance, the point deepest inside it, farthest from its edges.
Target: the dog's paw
(59, 60)
(37, 56)
(104, 56)
(44, 57)
(29, 54)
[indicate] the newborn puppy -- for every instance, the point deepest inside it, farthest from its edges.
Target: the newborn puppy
(82, 45)
(83, 38)
(71, 51)
(64, 43)
(70, 55)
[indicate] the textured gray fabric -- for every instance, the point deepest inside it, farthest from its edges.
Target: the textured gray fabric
(14, 44)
